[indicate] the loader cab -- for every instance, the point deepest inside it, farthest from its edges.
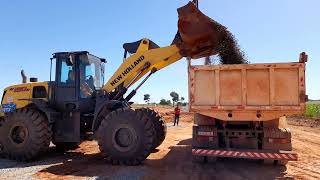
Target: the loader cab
(78, 76)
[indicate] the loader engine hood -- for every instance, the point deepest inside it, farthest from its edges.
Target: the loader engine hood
(20, 95)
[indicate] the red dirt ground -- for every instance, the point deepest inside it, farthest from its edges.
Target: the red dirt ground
(173, 160)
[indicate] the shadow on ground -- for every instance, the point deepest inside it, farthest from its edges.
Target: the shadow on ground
(176, 163)
(49, 158)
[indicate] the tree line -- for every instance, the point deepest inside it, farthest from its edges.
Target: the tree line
(175, 98)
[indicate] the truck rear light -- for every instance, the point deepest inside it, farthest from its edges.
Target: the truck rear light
(278, 140)
(205, 138)
(202, 133)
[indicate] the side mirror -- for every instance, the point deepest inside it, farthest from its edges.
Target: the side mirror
(102, 67)
(102, 71)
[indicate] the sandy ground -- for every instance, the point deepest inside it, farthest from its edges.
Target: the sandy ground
(173, 160)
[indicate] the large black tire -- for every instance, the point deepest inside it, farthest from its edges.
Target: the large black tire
(66, 146)
(282, 133)
(124, 137)
(158, 123)
(25, 134)
(1, 137)
(277, 133)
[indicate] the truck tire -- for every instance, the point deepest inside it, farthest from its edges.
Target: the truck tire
(282, 162)
(277, 133)
(158, 123)
(124, 137)
(26, 134)
(66, 146)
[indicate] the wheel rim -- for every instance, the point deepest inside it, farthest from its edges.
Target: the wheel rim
(124, 138)
(18, 134)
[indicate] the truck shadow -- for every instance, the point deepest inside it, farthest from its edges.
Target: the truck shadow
(177, 164)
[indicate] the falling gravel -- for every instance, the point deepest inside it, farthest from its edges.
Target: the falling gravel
(228, 48)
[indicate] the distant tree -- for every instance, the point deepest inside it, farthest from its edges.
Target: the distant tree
(182, 99)
(184, 104)
(146, 98)
(175, 97)
(207, 60)
(165, 102)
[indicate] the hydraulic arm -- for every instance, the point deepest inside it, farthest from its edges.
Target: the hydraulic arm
(142, 62)
(196, 38)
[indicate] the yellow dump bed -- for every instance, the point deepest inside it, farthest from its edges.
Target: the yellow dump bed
(243, 92)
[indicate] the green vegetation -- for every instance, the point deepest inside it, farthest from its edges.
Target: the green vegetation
(175, 97)
(165, 102)
(312, 110)
(146, 98)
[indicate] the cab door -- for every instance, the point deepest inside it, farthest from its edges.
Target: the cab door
(67, 128)
(66, 96)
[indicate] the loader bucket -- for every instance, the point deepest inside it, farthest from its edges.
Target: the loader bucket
(199, 36)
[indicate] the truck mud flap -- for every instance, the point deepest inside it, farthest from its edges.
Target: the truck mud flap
(247, 154)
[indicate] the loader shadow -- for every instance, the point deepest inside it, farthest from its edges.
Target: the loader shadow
(177, 164)
(51, 157)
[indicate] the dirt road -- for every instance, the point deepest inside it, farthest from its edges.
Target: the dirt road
(173, 161)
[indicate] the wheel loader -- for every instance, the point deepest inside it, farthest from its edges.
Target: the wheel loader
(79, 105)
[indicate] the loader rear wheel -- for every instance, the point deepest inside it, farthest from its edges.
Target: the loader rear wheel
(26, 134)
(124, 137)
(1, 138)
(158, 123)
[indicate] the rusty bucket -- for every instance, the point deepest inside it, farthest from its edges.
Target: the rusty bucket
(196, 38)
(199, 36)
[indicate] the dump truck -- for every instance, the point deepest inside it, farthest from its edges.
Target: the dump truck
(240, 110)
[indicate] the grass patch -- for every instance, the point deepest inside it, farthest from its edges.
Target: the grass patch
(312, 110)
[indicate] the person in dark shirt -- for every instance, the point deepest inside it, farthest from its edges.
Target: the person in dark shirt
(176, 115)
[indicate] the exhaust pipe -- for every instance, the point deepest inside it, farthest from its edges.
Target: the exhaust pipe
(24, 77)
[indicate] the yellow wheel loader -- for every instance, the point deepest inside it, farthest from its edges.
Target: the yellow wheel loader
(78, 105)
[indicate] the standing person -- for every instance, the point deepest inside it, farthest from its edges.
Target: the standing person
(176, 115)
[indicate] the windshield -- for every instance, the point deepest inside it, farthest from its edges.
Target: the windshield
(91, 71)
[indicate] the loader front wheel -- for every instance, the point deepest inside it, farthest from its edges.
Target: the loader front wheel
(158, 123)
(124, 137)
(26, 134)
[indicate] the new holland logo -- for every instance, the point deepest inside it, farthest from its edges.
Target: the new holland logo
(127, 70)
(19, 89)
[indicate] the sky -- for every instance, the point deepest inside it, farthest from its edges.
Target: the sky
(267, 31)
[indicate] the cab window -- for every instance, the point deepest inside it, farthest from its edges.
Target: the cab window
(67, 75)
